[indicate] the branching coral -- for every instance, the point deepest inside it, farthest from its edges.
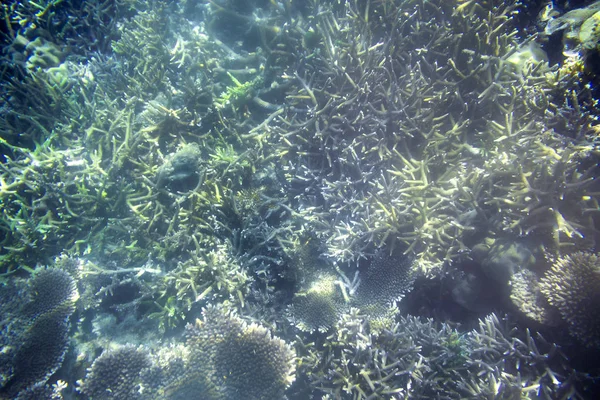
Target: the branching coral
(192, 155)
(418, 359)
(210, 275)
(414, 135)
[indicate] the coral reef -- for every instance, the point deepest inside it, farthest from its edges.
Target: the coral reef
(301, 175)
(223, 358)
(318, 307)
(527, 297)
(180, 172)
(386, 281)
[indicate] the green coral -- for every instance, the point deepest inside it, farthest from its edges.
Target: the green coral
(180, 153)
(417, 358)
(239, 93)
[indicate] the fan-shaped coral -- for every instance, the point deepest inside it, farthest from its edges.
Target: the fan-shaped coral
(388, 279)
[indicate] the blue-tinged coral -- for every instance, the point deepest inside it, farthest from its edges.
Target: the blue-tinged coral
(116, 374)
(312, 162)
(388, 278)
(35, 321)
(416, 358)
(223, 358)
(42, 392)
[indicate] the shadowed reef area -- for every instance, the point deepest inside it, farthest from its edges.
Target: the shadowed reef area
(262, 199)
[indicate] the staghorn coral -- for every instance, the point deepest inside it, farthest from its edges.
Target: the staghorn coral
(572, 285)
(419, 125)
(416, 358)
(239, 359)
(504, 362)
(213, 273)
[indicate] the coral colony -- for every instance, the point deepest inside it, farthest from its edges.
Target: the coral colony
(320, 199)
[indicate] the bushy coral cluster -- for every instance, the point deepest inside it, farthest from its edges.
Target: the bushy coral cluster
(416, 358)
(240, 359)
(375, 290)
(224, 358)
(116, 374)
(572, 285)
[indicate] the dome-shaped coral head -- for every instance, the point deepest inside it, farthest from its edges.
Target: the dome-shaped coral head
(241, 360)
(572, 285)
